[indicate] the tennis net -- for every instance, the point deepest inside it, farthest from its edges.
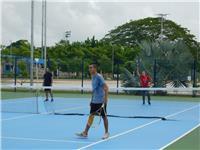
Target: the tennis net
(19, 99)
(70, 101)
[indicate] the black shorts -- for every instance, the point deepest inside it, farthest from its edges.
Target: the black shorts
(95, 107)
(47, 90)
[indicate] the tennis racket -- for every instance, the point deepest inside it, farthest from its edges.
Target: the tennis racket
(150, 85)
(98, 117)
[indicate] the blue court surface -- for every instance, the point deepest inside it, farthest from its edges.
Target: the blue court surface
(47, 131)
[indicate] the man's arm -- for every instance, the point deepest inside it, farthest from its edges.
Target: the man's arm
(106, 88)
(150, 84)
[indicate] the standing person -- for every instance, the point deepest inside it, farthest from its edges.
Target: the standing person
(48, 82)
(145, 82)
(99, 99)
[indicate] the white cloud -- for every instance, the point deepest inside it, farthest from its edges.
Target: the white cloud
(86, 19)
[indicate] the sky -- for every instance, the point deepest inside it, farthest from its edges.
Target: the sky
(87, 18)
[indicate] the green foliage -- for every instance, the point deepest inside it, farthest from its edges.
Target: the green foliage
(23, 69)
(68, 57)
(139, 38)
(128, 79)
(173, 61)
(148, 29)
(19, 48)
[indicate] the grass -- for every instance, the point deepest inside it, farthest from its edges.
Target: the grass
(189, 142)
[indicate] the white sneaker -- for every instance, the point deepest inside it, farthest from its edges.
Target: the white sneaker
(82, 134)
(106, 135)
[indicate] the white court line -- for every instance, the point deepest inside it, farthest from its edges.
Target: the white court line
(12, 101)
(17, 100)
(133, 129)
(174, 114)
(19, 117)
(25, 116)
(179, 137)
(42, 140)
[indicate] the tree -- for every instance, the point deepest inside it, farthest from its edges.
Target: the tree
(139, 38)
(170, 63)
(134, 32)
(173, 61)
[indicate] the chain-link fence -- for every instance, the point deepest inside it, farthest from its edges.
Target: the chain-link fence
(164, 73)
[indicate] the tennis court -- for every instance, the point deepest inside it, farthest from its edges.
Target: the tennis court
(91, 52)
(26, 124)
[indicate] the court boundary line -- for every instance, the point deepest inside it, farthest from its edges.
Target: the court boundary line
(42, 140)
(136, 128)
(175, 140)
(46, 113)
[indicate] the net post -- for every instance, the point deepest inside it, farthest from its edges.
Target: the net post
(37, 101)
(37, 95)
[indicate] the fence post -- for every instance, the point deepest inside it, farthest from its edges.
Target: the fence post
(154, 73)
(15, 73)
(82, 77)
(194, 77)
(117, 77)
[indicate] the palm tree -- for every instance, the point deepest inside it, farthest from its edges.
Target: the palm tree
(168, 63)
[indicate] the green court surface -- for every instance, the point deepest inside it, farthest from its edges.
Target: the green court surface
(8, 94)
(189, 142)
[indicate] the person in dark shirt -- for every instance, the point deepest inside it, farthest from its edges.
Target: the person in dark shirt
(48, 82)
(145, 82)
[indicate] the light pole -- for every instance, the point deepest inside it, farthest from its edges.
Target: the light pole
(67, 34)
(162, 17)
(36, 61)
(197, 56)
(42, 37)
(32, 41)
(45, 34)
(10, 48)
